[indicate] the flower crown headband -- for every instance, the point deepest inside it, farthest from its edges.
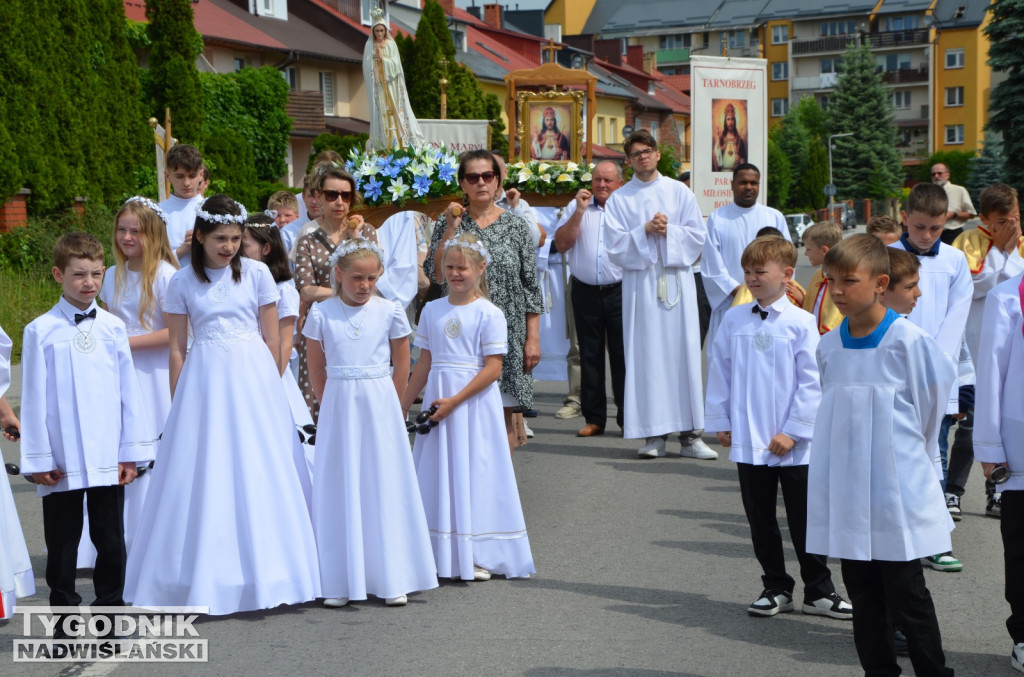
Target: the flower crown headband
(478, 247)
(224, 218)
(146, 202)
(351, 246)
(272, 213)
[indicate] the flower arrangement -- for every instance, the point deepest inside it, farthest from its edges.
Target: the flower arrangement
(403, 175)
(549, 178)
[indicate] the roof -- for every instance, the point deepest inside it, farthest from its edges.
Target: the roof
(605, 153)
(904, 6)
(973, 13)
(599, 16)
(738, 14)
(657, 15)
(801, 9)
(678, 82)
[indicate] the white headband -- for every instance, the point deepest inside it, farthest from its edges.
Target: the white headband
(145, 201)
(224, 218)
(355, 244)
(478, 247)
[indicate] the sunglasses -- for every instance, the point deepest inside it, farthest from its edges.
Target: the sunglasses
(938, 173)
(332, 195)
(475, 178)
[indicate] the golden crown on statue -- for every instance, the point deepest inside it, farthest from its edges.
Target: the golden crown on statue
(377, 15)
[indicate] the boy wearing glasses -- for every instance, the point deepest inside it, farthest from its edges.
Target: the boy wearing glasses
(655, 233)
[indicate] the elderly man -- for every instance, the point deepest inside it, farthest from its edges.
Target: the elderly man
(961, 209)
(596, 293)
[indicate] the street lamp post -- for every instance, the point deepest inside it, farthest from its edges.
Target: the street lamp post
(831, 184)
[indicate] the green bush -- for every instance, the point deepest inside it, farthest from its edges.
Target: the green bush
(230, 159)
(338, 143)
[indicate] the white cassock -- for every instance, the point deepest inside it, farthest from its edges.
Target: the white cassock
(994, 267)
(873, 482)
(998, 415)
(763, 380)
(552, 272)
(730, 229)
(397, 237)
(181, 218)
(660, 328)
(946, 291)
(16, 578)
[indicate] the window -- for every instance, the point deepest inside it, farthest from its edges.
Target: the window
(613, 135)
(901, 99)
(900, 23)
(780, 34)
(268, 5)
(893, 62)
(779, 107)
(365, 7)
(327, 89)
(459, 40)
(780, 70)
(736, 38)
(291, 77)
(239, 63)
(954, 58)
(600, 130)
(677, 41)
(823, 101)
(954, 96)
(654, 130)
(954, 134)
(904, 137)
(831, 64)
(839, 27)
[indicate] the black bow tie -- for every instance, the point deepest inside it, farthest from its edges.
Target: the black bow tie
(85, 316)
(757, 309)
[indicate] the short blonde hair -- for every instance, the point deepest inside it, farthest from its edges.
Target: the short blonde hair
(76, 245)
(283, 199)
(902, 264)
(769, 248)
(856, 251)
(824, 234)
(879, 225)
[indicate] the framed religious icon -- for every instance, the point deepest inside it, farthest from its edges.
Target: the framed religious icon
(550, 126)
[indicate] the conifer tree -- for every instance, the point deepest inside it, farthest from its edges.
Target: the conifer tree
(866, 164)
(1005, 34)
(173, 79)
(779, 176)
(987, 168)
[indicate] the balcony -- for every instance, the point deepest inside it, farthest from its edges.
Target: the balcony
(668, 57)
(831, 43)
(917, 36)
(306, 109)
(815, 82)
(905, 76)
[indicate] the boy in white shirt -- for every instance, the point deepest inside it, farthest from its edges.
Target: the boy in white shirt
(998, 435)
(184, 169)
(874, 498)
(771, 343)
(82, 431)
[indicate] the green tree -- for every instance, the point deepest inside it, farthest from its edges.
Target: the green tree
(1005, 34)
(987, 168)
(499, 139)
(812, 117)
(958, 162)
(810, 192)
(792, 139)
(866, 164)
(173, 79)
(340, 144)
(230, 159)
(779, 175)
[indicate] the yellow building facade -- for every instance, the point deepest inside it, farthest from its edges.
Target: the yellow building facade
(963, 83)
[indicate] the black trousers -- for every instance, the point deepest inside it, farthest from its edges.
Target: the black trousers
(759, 486)
(883, 592)
(1011, 526)
(950, 234)
(62, 531)
(961, 458)
(598, 314)
(703, 308)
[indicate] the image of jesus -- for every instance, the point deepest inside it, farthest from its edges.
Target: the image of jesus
(549, 143)
(729, 148)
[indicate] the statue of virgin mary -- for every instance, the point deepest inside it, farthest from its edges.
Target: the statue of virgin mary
(392, 122)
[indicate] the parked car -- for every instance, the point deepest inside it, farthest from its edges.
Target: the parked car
(849, 216)
(798, 223)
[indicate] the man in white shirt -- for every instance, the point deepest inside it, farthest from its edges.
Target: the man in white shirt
(654, 232)
(730, 229)
(596, 293)
(961, 209)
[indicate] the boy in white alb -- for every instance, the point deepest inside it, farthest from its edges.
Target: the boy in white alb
(82, 429)
(873, 496)
(762, 399)
(999, 435)
(655, 234)
(185, 172)
(946, 291)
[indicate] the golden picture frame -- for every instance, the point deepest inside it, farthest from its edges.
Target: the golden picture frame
(550, 126)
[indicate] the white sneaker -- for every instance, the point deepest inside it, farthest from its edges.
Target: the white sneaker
(1017, 657)
(401, 600)
(698, 449)
(570, 410)
(529, 433)
(335, 602)
(654, 448)
(481, 574)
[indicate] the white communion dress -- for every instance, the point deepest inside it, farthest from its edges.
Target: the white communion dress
(288, 306)
(228, 526)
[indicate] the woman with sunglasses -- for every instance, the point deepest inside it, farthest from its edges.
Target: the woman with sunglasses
(334, 189)
(511, 275)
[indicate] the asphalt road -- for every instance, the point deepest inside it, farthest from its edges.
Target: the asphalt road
(643, 568)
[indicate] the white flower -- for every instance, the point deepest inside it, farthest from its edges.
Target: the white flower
(546, 178)
(418, 168)
(525, 175)
(368, 168)
(591, 166)
(519, 165)
(543, 167)
(571, 167)
(398, 189)
(586, 177)
(563, 178)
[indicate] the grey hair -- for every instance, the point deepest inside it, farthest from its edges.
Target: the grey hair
(617, 166)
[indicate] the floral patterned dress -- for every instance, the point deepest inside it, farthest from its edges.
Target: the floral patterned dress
(512, 286)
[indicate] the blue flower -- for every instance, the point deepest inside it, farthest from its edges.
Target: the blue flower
(383, 161)
(421, 184)
(446, 172)
(373, 189)
(402, 161)
(392, 169)
(350, 166)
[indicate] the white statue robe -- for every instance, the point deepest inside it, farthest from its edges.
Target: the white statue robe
(873, 481)
(946, 291)
(661, 337)
(998, 416)
(763, 380)
(730, 229)
(397, 237)
(552, 271)
(389, 95)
